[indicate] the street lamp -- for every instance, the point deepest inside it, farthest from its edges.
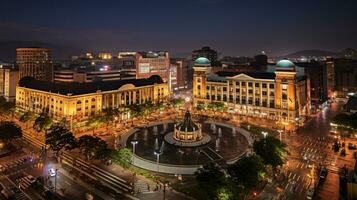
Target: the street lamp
(56, 179)
(265, 134)
(134, 142)
(280, 131)
(157, 153)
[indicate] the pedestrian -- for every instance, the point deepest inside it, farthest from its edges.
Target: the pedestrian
(148, 187)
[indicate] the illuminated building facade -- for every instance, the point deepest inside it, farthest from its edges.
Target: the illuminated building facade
(178, 74)
(35, 62)
(68, 76)
(9, 77)
(80, 100)
(280, 96)
(152, 63)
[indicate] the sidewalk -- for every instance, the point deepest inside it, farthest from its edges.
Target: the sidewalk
(150, 193)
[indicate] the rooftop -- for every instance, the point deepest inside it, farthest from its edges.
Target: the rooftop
(85, 88)
(202, 61)
(285, 64)
(260, 75)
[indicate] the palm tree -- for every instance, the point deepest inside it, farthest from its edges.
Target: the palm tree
(43, 122)
(26, 118)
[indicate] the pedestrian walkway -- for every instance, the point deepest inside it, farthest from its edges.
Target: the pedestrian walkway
(142, 187)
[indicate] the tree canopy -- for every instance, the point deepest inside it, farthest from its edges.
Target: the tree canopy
(43, 122)
(93, 147)
(247, 172)
(123, 157)
(216, 106)
(210, 178)
(60, 137)
(26, 116)
(9, 131)
(177, 102)
(271, 150)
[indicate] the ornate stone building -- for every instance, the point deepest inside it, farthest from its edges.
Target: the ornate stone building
(282, 96)
(81, 100)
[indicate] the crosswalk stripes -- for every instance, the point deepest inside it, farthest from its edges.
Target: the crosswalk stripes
(24, 183)
(20, 196)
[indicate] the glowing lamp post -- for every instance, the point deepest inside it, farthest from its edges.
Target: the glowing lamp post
(134, 143)
(157, 153)
(265, 134)
(280, 131)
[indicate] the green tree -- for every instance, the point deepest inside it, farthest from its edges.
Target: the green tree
(60, 137)
(216, 106)
(43, 122)
(109, 115)
(94, 122)
(93, 147)
(26, 117)
(177, 102)
(9, 131)
(123, 157)
(201, 106)
(247, 172)
(271, 150)
(210, 178)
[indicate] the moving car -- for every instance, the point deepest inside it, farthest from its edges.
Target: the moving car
(52, 172)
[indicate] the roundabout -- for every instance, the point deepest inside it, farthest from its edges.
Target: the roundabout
(184, 146)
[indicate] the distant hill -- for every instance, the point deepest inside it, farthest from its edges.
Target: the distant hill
(8, 49)
(311, 53)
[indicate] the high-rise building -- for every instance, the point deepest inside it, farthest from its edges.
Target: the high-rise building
(35, 62)
(84, 76)
(9, 77)
(316, 72)
(206, 52)
(152, 63)
(178, 74)
(281, 95)
(345, 73)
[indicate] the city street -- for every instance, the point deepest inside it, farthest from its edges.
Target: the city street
(310, 148)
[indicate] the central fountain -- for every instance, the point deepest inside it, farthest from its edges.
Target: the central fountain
(181, 147)
(187, 133)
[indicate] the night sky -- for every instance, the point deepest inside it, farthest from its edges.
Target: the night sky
(232, 27)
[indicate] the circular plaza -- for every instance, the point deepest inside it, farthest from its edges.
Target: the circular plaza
(181, 147)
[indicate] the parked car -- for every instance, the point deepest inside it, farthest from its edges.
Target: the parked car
(352, 146)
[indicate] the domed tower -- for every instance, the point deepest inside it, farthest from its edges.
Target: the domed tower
(201, 68)
(285, 90)
(187, 130)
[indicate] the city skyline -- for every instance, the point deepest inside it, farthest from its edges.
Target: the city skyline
(233, 28)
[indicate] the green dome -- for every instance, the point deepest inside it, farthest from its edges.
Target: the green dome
(285, 64)
(202, 61)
